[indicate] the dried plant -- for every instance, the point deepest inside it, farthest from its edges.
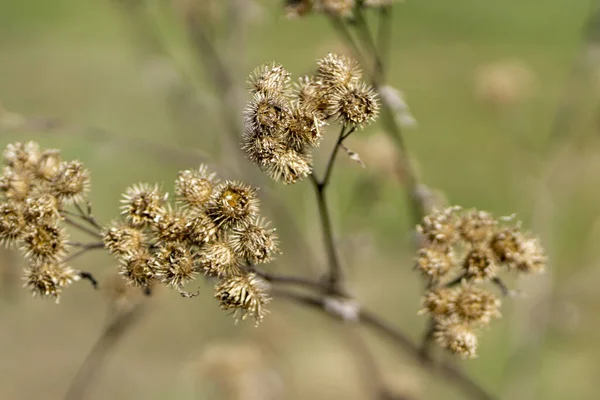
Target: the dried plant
(214, 228)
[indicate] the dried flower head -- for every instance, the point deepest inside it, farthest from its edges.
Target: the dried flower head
(49, 165)
(434, 262)
(340, 8)
(12, 222)
(219, 259)
(255, 242)
(16, 186)
(439, 228)
(172, 226)
(143, 204)
(200, 229)
(267, 114)
(71, 181)
(476, 227)
(314, 94)
(175, 265)
(232, 203)
(120, 238)
(22, 156)
(195, 187)
(439, 303)
(138, 268)
(42, 209)
(243, 295)
(474, 306)
(479, 264)
(304, 128)
(338, 71)
(517, 251)
(47, 279)
(289, 167)
(457, 338)
(355, 105)
(44, 243)
(270, 80)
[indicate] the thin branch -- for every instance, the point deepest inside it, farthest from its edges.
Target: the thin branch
(83, 250)
(335, 270)
(87, 215)
(444, 368)
(105, 344)
(88, 276)
(82, 228)
(369, 43)
(384, 39)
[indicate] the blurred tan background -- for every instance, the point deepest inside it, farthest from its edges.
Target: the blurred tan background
(506, 98)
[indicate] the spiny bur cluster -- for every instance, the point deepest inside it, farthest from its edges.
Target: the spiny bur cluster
(283, 122)
(337, 8)
(464, 250)
(213, 228)
(35, 188)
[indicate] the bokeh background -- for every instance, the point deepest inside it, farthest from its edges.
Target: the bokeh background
(505, 94)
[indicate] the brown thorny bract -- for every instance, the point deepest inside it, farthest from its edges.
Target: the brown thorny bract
(462, 252)
(213, 228)
(283, 122)
(338, 8)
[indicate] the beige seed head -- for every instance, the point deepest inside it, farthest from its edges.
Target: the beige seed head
(244, 296)
(479, 264)
(44, 243)
(219, 259)
(434, 262)
(138, 268)
(48, 165)
(290, 167)
(175, 265)
(143, 204)
(270, 80)
(120, 238)
(476, 227)
(355, 105)
(22, 156)
(255, 242)
(267, 113)
(47, 279)
(474, 306)
(195, 187)
(71, 182)
(338, 71)
(12, 223)
(233, 203)
(457, 338)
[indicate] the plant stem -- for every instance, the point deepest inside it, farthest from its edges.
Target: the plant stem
(82, 228)
(367, 318)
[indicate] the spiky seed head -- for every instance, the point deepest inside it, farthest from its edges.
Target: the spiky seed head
(143, 204)
(355, 105)
(304, 128)
(138, 268)
(172, 226)
(175, 265)
(338, 71)
(244, 296)
(479, 264)
(195, 187)
(233, 203)
(44, 243)
(201, 229)
(71, 183)
(438, 303)
(16, 185)
(474, 306)
(12, 222)
(262, 149)
(22, 156)
(532, 257)
(255, 242)
(289, 167)
(267, 114)
(219, 259)
(48, 165)
(47, 279)
(434, 262)
(439, 228)
(457, 338)
(313, 94)
(120, 238)
(271, 79)
(476, 227)
(517, 251)
(42, 209)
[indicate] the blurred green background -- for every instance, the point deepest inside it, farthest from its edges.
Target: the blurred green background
(506, 98)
